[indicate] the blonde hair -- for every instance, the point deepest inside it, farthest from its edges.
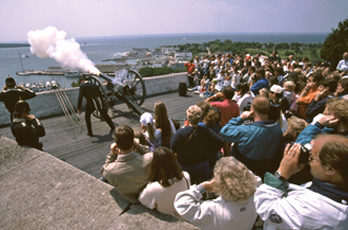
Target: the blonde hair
(194, 114)
(290, 84)
(296, 124)
(233, 181)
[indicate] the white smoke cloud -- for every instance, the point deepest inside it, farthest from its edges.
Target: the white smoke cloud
(52, 43)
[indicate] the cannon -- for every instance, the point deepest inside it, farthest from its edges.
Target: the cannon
(127, 86)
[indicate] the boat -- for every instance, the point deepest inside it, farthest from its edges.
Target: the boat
(72, 74)
(22, 73)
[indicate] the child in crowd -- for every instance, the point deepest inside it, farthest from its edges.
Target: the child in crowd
(289, 91)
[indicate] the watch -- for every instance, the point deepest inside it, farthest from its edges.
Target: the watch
(279, 176)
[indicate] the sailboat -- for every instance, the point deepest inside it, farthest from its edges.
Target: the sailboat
(23, 72)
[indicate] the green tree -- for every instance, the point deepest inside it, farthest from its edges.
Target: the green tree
(335, 44)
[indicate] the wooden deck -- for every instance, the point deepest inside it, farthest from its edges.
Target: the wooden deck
(71, 144)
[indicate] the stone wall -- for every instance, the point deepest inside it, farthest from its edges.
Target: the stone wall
(46, 104)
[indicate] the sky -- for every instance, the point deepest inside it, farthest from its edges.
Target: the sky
(90, 18)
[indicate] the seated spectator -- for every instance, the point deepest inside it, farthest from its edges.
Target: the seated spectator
(320, 204)
(308, 94)
(226, 106)
(335, 121)
(194, 145)
(26, 128)
(243, 97)
(151, 134)
(255, 144)
(124, 167)
(261, 82)
(289, 92)
(233, 209)
(342, 88)
(140, 139)
(163, 123)
(279, 106)
(295, 127)
(326, 89)
(166, 180)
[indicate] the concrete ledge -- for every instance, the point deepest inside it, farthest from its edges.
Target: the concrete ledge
(38, 191)
(46, 104)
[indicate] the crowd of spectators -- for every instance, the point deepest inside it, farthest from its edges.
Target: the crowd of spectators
(268, 145)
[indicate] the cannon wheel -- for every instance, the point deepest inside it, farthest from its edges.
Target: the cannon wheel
(136, 90)
(104, 98)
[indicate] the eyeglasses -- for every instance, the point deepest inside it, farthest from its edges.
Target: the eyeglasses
(311, 157)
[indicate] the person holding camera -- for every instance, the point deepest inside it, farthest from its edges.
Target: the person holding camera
(257, 143)
(26, 128)
(318, 204)
(11, 94)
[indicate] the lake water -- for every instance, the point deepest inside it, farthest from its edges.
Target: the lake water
(99, 48)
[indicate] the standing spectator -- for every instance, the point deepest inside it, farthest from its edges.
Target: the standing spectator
(262, 82)
(92, 94)
(166, 180)
(11, 94)
(308, 94)
(125, 167)
(234, 207)
(255, 144)
(194, 145)
(26, 128)
(190, 68)
(320, 204)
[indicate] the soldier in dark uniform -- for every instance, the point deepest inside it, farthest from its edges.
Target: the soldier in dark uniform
(26, 128)
(11, 94)
(92, 95)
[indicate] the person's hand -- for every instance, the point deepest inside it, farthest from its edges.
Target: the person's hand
(209, 185)
(246, 115)
(79, 111)
(136, 145)
(319, 95)
(309, 85)
(30, 117)
(328, 120)
(289, 164)
(114, 149)
(5, 88)
(219, 95)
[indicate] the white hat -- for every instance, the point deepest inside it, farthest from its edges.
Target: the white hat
(277, 89)
(146, 118)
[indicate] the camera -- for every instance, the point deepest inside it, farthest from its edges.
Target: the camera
(305, 151)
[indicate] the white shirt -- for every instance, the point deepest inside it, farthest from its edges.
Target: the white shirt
(156, 196)
(215, 214)
(342, 65)
(301, 209)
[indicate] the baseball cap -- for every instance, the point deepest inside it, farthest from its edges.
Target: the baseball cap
(146, 118)
(277, 89)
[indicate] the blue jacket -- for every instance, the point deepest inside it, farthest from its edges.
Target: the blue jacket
(262, 83)
(311, 130)
(256, 140)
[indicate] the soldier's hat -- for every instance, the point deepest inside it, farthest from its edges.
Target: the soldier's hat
(20, 107)
(10, 82)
